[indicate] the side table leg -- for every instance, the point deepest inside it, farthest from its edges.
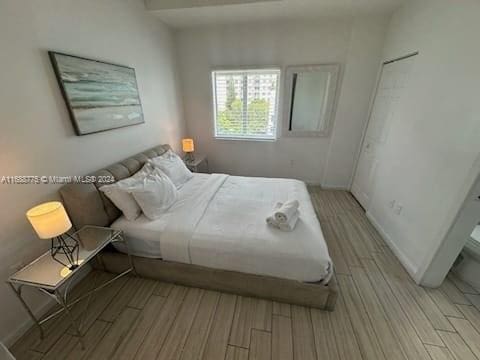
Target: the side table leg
(130, 260)
(60, 299)
(30, 313)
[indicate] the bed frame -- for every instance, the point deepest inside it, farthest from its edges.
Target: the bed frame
(86, 205)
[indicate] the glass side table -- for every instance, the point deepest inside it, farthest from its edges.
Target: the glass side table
(198, 165)
(53, 279)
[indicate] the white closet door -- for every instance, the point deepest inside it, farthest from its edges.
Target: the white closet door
(393, 83)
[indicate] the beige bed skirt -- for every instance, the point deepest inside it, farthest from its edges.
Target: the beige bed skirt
(315, 295)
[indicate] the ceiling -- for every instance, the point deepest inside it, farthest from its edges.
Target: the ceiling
(188, 13)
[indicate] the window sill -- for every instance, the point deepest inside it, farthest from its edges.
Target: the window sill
(248, 139)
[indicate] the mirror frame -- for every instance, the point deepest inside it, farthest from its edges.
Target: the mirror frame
(334, 69)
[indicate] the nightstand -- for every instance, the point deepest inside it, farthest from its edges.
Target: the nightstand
(54, 280)
(199, 164)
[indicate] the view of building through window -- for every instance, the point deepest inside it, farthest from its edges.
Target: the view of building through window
(246, 103)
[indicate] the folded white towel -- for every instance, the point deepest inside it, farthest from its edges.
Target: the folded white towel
(271, 219)
(287, 226)
(290, 225)
(286, 212)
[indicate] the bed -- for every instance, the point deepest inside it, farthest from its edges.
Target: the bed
(215, 236)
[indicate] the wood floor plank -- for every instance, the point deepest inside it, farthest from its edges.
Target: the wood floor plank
(452, 292)
(345, 339)
(216, 346)
(347, 250)
(354, 237)
(385, 334)
(367, 338)
(163, 289)
(468, 333)
(68, 346)
(334, 248)
(260, 345)
(236, 353)
(461, 285)
(447, 307)
(471, 314)
(99, 302)
(390, 266)
(439, 353)
(282, 340)
(250, 313)
(407, 336)
(362, 231)
(197, 337)
(412, 309)
(325, 343)
(281, 309)
(303, 339)
(429, 307)
(457, 346)
(117, 305)
(119, 329)
(144, 291)
(153, 341)
(177, 336)
(147, 317)
(474, 300)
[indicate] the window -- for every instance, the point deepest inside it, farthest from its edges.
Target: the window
(246, 103)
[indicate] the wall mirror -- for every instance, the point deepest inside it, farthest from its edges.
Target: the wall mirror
(310, 99)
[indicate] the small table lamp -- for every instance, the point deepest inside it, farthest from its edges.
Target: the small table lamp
(50, 221)
(188, 148)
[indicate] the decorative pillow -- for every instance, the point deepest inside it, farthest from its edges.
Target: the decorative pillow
(154, 193)
(172, 165)
(118, 193)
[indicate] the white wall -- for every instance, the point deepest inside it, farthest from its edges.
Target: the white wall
(355, 43)
(429, 157)
(36, 136)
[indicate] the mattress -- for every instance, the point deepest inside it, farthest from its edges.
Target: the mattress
(219, 222)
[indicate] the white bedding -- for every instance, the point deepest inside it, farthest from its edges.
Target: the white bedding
(219, 222)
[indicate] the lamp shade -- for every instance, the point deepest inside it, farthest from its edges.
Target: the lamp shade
(187, 145)
(49, 220)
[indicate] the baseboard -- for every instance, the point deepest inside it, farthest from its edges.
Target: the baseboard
(333, 187)
(16, 334)
(411, 269)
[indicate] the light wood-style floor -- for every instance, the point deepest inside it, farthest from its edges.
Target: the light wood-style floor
(381, 313)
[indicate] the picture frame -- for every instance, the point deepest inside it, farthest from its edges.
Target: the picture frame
(99, 95)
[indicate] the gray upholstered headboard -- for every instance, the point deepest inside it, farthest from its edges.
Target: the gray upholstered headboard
(86, 205)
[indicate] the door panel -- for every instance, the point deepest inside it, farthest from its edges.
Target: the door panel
(393, 82)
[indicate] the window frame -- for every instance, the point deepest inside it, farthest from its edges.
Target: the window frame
(273, 69)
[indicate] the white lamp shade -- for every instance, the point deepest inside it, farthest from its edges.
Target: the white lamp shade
(49, 219)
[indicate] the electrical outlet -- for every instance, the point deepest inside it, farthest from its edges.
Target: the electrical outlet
(398, 209)
(391, 204)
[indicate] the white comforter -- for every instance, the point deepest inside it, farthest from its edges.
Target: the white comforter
(219, 222)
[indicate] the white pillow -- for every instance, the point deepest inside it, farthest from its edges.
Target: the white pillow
(121, 198)
(171, 164)
(154, 193)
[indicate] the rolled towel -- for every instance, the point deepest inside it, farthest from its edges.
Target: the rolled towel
(285, 213)
(271, 219)
(290, 225)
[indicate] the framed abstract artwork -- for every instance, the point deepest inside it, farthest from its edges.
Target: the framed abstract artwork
(100, 96)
